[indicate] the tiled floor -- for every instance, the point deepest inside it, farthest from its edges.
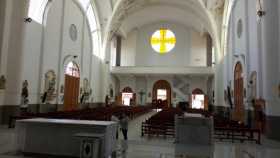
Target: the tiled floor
(141, 147)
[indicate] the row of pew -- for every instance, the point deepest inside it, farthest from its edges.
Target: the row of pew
(99, 113)
(230, 130)
(161, 124)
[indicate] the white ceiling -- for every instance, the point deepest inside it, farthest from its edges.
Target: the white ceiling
(104, 8)
(143, 12)
(158, 13)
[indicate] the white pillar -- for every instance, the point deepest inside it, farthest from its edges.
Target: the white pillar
(270, 66)
(12, 50)
(270, 57)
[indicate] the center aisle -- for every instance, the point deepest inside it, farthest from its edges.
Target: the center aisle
(134, 126)
(139, 147)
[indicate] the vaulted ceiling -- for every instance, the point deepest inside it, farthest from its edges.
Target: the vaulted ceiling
(130, 14)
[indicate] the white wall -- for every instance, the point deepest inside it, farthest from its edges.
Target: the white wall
(257, 50)
(198, 53)
(48, 47)
(146, 83)
(190, 45)
(128, 47)
(241, 49)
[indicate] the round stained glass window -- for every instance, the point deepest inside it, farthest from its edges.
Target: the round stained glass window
(163, 41)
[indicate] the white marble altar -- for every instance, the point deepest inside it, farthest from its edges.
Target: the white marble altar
(57, 136)
(194, 129)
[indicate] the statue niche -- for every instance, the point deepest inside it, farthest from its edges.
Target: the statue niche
(85, 91)
(49, 89)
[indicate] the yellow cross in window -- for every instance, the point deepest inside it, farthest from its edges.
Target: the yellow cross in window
(163, 40)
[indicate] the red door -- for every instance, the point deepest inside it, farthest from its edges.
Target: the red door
(239, 111)
(71, 92)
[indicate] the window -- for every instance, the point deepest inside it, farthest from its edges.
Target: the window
(72, 69)
(198, 101)
(36, 10)
(126, 98)
(163, 41)
(161, 94)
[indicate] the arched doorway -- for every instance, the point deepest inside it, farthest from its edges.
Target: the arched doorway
(162, 91)
(128, 98)
(239, 111)
(72, 86)
(199, 100)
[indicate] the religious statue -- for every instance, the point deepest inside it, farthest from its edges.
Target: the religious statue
(2, 82)
(61, 89)
(50, 81)
(107, 100)
(24, 93)
(111, 91)
(85, 91)
(279, 90)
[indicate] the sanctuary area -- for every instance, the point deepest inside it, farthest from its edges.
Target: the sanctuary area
(139, 78)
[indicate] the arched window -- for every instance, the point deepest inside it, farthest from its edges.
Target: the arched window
(72, 69)
(88, 8)
(36, 10)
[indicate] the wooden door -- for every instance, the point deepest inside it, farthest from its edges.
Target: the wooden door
(71, 92)
(239, 111)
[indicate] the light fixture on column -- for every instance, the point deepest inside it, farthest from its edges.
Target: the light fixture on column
(28, 20)
(260, 11)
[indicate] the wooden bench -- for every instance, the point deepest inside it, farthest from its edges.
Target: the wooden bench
(161, 124)
(157, 130)
(240, 134)
(99, 113)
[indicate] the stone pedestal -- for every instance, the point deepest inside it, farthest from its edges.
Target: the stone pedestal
(194, 129)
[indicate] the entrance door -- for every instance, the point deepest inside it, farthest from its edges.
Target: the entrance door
(128, 98)
(239, 111)
(162, 91)
(199, 99)
(72, 86)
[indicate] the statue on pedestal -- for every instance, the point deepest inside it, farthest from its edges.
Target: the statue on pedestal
(24, 97)
(2, 82)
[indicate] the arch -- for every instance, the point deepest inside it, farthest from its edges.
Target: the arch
(162, 85)
(239, 110)
(127, 90)
(72, 86)
(197, 91)
(128, 97)
(117, 15)
(72, 69)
